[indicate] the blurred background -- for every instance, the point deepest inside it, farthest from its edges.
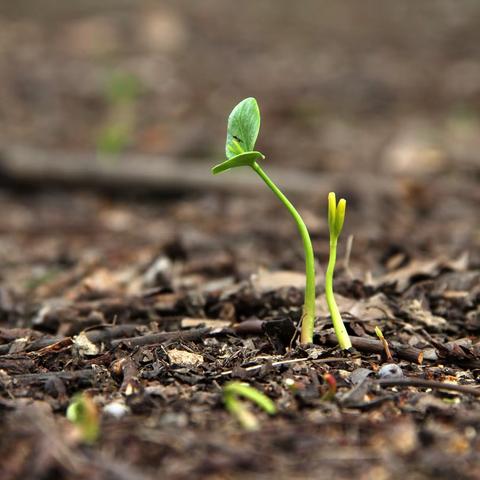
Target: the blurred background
(377, 100)
(390, 86)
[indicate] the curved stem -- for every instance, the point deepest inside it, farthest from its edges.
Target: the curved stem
(338, 326)
(308, 317)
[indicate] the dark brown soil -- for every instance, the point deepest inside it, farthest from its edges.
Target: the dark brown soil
(152, 299)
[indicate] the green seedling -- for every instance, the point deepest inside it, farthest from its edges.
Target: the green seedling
(336, 218)
(242, 133)
(83, 413)
(231, 393)
(386, 347)
(121, 93)
(123, 87)
(329, 395)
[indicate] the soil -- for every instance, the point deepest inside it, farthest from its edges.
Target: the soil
(150, 300)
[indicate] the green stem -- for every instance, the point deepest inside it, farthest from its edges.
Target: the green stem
(338, 326)
(308, 317)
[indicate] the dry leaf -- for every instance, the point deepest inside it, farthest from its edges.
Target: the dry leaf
(84, 346)
(369, 309)
(265, 281)
(184, 358)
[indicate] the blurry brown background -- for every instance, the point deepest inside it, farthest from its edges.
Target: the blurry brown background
(378, 100)
(387, 86)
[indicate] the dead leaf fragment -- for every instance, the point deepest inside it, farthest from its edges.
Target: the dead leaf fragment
(369, 309)
(265, 281)
(84, 346)
(196, 322)
(402, 277)
(184, 358)
(416, 312)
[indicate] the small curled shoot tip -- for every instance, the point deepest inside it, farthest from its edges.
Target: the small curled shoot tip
(231, 394)
(332, 387)
(336, 215)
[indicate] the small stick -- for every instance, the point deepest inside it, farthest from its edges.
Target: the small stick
(99, 333)
(423, 383)
(287, 362)
(187, 335)
(86, 374)
(365, 344)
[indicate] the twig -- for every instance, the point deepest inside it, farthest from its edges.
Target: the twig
(287, 362)
(86, 374)
(187, 335)
(423, 383)
(17, 363)
(22, 164)
(99, 333)
(365, 344)
(109, 332)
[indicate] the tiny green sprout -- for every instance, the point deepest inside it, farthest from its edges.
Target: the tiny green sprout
(121, 93)
(83, 413)
(386, 347)
(329, 395)
(242, 133)
(336, 217)
(379, 333)
(231, 393)
(113, 139)
(123, 87)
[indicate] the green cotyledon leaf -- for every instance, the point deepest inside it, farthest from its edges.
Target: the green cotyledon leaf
(243, 127)
(243, 160)
(336, 214)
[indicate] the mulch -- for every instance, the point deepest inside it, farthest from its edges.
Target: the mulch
(155, 305)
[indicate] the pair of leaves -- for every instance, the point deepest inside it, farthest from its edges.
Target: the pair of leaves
(336, 214)
(242, 133)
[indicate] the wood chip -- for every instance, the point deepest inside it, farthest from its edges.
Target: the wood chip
(184, 358)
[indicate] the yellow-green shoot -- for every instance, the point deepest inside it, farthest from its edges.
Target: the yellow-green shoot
(242, 133)
(386, 347)
(336, 218)
(231, 398)
(122, 92)
(83, 413)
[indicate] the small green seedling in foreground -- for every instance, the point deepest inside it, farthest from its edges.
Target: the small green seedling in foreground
(231, 393)
(336, 217)
(83, 413)
(242, 132)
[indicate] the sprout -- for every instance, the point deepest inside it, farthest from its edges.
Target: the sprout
(336, 217)
(83, 413)
(245, 417)
(242, 132)
(122, 91)
(386, 347)
(332, 387)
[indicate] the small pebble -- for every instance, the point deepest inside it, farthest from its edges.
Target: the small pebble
(359, 375)
(390, 370)
(116, 409)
